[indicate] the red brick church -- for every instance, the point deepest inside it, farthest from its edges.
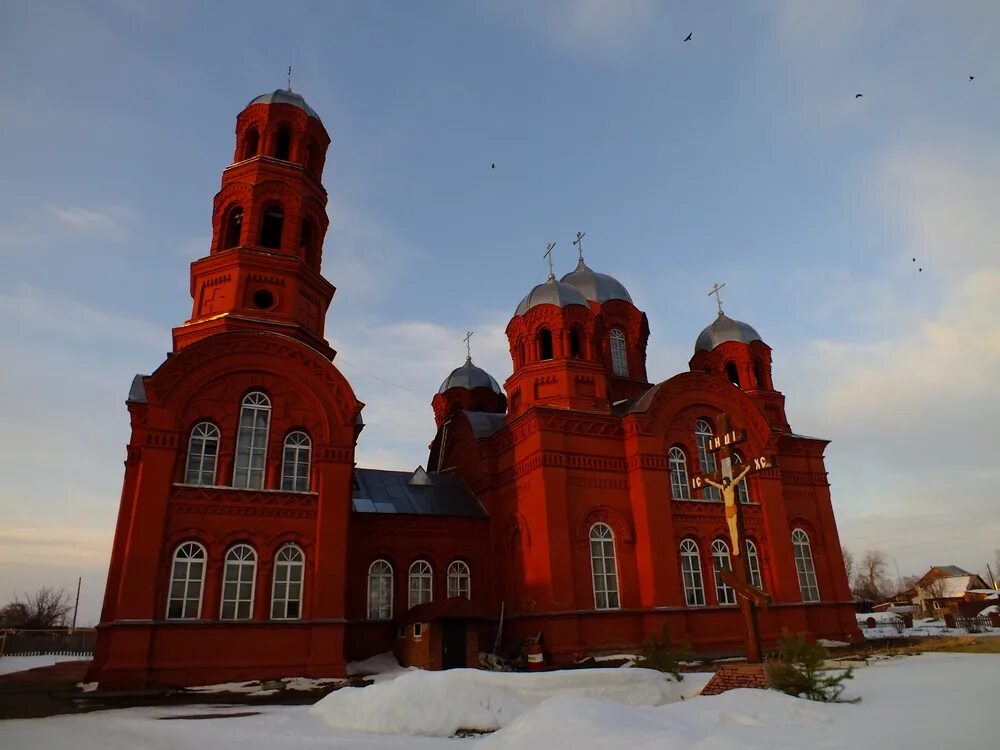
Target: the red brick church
(249, 545)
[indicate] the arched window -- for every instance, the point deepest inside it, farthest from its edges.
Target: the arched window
(742, 494)
(286, 594)
(203, 450)
(233, 228)
(604, 567)
(380, 590)
(545, 344)
(283, 143)
(521, 352)
(251, 142)
(694, 588)
(313, 157)
(421, 583)
(187, 578)
(295, 462)
(238, 583)
(753, 562)
(458, 579)
(758, 374)
(251, 441)
(733, 373)
(679, 488)
(804, 566)
(721, 561)
(619, 354)
(272, 224)
(706, 459)
(575, 349)
(307, 243)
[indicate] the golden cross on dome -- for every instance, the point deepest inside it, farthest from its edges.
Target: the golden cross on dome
(468, 347)
(715, 290)
(548, 257)
(579, 242)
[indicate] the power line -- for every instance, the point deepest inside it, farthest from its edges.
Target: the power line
(379, 379)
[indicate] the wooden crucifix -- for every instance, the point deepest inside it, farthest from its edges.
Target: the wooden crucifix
(739, 579)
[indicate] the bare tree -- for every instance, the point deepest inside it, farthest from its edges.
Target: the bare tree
(44, 609)
(848, 563)
(871, 581)
(934, 589)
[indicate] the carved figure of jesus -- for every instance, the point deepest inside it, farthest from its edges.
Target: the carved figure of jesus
(728, 489)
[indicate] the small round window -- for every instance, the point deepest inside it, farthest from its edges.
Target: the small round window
(263, 299)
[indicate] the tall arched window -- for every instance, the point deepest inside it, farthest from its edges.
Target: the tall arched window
(295, 462)
(187, 577)
(251, 441)
(459, 579)
(286, 594)
(575, 345)
(251, 142)
(804, 566)
(283, 143)
(380, 590)
(238, 583)
(604, 567)
(233, 228)
(272, 224)
(758, 374)
(619, 353)
(421, 583)
(679, 488)
(545, 344)
(706, 459)
(742, 494)
(732, 373)
(307, 244)
(313, 156)
(721, 561)
(753, 562)
(203, 450)
(694, 587)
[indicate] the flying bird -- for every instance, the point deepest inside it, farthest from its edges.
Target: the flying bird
(857, 96)
(972, 78)
(493, 166)
(920, 269)
(688, 37)
(914, 260)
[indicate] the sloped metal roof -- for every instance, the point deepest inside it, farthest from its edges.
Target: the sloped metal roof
(723, 329)
(469, 376)
(284, 96)
(383, 491)
(598, 287)
(552, 292)
(485, 423)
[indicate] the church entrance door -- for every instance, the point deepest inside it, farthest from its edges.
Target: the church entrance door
(453, 644)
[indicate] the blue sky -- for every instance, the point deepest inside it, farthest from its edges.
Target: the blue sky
(742, 156)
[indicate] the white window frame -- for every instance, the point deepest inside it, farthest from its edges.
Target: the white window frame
(742, 490)
(804, 567)
(251, 442)
(706, 459)
(604, 567)
(296, 461)
(724, 595)
(202, 435)
(187, 556)
(240, 569)
(691, 577)
(289, 573)
(753, 562)
(459, 580)
(380, 588)
(680, 489)
(421, 578)
(619, 352)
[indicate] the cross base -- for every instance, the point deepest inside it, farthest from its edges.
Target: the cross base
(734, 676)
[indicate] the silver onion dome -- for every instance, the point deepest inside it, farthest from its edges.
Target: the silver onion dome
(469, 376)
(597, 287)
(552, 292)
(285, 96)
(724, 329)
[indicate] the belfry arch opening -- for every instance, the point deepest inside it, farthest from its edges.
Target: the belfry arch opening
(307, 243)
(272, 224)
(732, 373)
(545, 344)
(575, 344)
(233, 228)
(758, 374)
(283, 143)
(251, 143)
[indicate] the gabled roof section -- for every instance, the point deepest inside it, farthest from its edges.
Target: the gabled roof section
(484, 423)
(383, 491)
(137, 391)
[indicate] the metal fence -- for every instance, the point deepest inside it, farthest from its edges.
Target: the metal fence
(38, 642)
(977, 624)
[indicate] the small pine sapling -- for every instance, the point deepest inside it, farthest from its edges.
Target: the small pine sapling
(662, 655)
(798, 671)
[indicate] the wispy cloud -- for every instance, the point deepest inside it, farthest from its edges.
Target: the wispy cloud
(90, 222)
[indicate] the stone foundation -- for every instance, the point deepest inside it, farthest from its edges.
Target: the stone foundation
(732, 676)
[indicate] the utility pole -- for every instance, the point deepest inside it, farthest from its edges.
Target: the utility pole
(76, 606)
(899, 578)
(993, 581)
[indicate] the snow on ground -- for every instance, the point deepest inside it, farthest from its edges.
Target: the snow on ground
(9, 664)
(256, 688)
(889, 625)
(440, 703)
(924, 702)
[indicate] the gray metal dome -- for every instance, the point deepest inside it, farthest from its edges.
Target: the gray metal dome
(552, 292)
(724, 329)
(597, 287)
(469, 376)
(285, 96)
